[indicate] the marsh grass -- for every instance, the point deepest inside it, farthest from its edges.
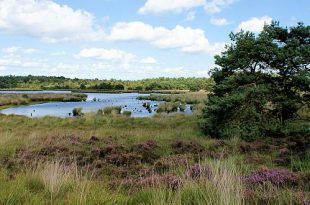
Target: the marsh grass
(224, 187)
(7, 100)
(186, 97)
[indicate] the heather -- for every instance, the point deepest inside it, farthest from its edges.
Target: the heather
(97, 159)
(246, 142)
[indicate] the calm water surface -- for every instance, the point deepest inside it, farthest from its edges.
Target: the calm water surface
(128, 102)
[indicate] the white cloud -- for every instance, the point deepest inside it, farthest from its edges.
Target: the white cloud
(148, 60)
(22, 62)
(105, 54)
(185, 39)
(216, 6)
(219, 21)
(16, 49)
(191, 16)
(135, 31)
(254, 24)
(161, 6)
(47, 20)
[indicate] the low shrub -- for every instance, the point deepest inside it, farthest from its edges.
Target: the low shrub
(274, 176)
(77, 112)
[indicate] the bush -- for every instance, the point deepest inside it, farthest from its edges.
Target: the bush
(77, 112)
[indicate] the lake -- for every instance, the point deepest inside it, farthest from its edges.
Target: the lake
(128, 102)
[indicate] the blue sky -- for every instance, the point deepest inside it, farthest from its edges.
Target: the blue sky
(129, 39)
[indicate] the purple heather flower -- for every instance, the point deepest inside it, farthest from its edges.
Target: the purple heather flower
(274, 176)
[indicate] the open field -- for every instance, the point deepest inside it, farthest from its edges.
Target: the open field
(161, 160)
(9, 100)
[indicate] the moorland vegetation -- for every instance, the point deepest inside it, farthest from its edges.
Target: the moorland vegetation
(248, 144)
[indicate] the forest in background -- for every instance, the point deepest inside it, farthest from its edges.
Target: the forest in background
(52, 82)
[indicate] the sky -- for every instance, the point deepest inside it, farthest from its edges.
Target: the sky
(129, 39)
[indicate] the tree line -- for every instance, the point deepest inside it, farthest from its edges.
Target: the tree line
(52, 82)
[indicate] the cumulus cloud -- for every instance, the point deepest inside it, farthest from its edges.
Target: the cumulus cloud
(17, 61)
(162, 6)
(105, 54)
(47, 20)
(136, 30)
(219, 21)
(254, 24)
(216, 6)
(21, 50)
(185, 39)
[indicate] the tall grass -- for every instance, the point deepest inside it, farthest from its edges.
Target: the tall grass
(224, 187)
(51, 181)
(23, 99)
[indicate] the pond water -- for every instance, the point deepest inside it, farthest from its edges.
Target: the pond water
(128, 102)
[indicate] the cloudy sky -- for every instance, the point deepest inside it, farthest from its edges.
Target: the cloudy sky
(129, 39)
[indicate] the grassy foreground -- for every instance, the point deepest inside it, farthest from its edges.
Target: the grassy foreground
(161, 160)
(9, 100)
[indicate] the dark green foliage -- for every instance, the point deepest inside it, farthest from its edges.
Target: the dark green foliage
(47, 83)
(147, 106)
(261, 83)
(77, 112)
(182, 107)
(82, 86)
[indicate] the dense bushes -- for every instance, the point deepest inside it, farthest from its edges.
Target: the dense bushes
(261, 83)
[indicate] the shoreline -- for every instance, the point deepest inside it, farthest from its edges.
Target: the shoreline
(3, 107)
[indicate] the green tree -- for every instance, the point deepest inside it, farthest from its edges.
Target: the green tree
(261, 82)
